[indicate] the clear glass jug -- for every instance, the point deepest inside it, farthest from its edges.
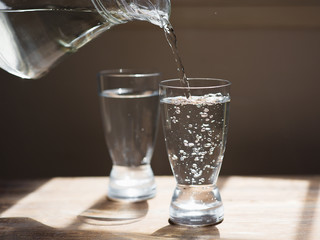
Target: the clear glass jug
(38, 34)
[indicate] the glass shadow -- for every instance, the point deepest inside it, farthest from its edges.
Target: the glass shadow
(183, 232)
(109, 212)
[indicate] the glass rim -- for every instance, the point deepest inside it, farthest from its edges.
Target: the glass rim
(129, 72)
(226, 83)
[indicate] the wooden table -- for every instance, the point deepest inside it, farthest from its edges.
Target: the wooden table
(76, 208)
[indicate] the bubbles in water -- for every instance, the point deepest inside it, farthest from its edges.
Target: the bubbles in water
(196, 173)
(174, 157)
(204, 114)
(207, 145)
(174, 119)
(208, 166)
(199, 122)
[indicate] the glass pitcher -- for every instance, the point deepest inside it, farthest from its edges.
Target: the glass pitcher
(38, 34)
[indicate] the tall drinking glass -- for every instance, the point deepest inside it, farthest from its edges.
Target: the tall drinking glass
(195, 130)
(129, 101)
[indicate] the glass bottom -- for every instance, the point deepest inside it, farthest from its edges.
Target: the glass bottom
(196, 205)
(131, 184)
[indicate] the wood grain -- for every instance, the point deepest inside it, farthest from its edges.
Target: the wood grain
(77, 208)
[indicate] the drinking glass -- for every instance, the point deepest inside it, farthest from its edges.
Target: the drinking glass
(195, 129)
(129, 101)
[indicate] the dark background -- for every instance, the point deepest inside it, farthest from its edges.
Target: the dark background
(269, 50)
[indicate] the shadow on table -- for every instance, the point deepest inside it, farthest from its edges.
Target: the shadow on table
(306, 221)
(17, 188)
(307, 217)
(308, 214)
(181, 232)
(108, 212)
(30, 229)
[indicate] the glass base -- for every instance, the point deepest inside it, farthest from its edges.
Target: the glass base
(131, 184)
(196, 205)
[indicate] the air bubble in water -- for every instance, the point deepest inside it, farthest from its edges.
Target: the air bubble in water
(204, 115)
(174, 157)
(197, 174)
(174, 119)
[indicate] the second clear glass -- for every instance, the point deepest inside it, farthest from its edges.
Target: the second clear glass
(129, 101)
(195, 130)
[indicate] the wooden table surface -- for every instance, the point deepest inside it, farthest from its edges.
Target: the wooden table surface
(76, 208)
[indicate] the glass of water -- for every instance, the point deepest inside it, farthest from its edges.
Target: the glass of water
(195, 129)
(129, 101)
